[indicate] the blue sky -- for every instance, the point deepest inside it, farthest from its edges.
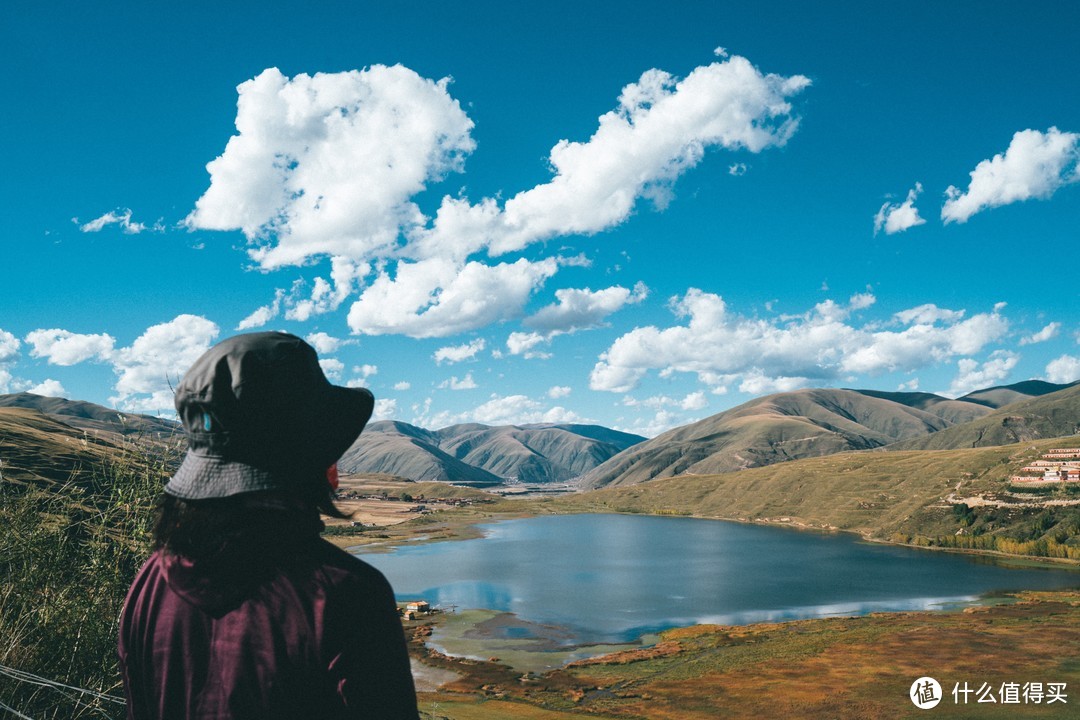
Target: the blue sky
(630, 213)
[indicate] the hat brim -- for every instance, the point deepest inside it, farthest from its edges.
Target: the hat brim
(343, 414)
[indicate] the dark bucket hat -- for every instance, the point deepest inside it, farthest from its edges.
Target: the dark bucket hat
(260, 415)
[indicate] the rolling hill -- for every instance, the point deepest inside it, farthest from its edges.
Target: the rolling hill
(483, 455)
(96, 418)
(811, 423)
(36, 448)
(1055, 414)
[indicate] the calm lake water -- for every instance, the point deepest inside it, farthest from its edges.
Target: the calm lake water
(613, 578)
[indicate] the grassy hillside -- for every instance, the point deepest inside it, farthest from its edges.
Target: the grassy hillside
(767, 430)
(40, 449)
(1054, 415)
(907, 496)
(100, 420)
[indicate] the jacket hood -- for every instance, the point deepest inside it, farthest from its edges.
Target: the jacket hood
(221, 582)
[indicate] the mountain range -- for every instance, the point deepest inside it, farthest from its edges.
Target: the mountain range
(46, 437)
(482, 455)
(812, 423)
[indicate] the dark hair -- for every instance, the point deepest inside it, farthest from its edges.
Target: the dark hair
(259, 522)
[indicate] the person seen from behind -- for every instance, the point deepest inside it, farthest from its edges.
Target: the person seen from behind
(243, 611)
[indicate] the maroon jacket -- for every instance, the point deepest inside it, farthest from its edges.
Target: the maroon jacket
(309, 633)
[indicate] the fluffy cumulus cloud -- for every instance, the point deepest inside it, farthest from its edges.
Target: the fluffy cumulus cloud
(325, 344)
(526, 344)
(61, 347)
(384, 410)
(1034, 165)
(973, 375)
(693, 401)
(326, 295)
(1047, 333)
(328, 164)
(262, 315)
(49, 388)
(437, 298)
(402, 386)
(459, 353)
(558, 391)
(897, 217)
(579, 309)
(785, 352)
(661, 127)
(332, 368)
(151, 366)
(1064, 369)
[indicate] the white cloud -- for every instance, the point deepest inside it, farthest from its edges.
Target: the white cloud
(328, 164)
(522, 343)
(1047, 333)
(117, 217)
(498, 410)
(897, 217)
(458, 353)
(558, 391)
(788, 351)
(49, 388)
(9, 346)
(365, 370)
(927, 315)
(1063, 370)
(738, 169)
(663, 421)
(465, 383)
(909, 386)
(155, 362)
(757, 383)
(384, 410)
(437, 298)
(661, 128)
(61, 347)
(325, 344)
(264, 314)
(579, 309)
(332, 368)
(1035, 165)
(694, 401)
(402, 386)
(9, 351)
(326, 296)
(973, 376)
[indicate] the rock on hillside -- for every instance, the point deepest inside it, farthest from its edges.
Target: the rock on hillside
(771, 429)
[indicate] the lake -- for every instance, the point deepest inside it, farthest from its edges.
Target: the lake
(614, 578)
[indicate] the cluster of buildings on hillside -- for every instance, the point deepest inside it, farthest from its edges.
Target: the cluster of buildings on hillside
(1059, 465)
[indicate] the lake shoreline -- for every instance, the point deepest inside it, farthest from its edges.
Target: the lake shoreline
(455, 526)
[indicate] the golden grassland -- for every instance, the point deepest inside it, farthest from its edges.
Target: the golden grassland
(857, 667)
